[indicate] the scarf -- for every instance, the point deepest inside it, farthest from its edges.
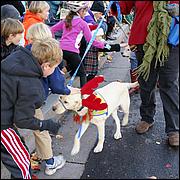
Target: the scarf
(156, 41)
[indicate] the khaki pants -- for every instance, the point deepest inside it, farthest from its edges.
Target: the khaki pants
(42, 140)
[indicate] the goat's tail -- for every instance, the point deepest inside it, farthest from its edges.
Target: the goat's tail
(132, 85)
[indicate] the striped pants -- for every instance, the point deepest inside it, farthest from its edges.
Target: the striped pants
(14, 154)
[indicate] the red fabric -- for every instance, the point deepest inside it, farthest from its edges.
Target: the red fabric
(94, 103)
(89, 87)
(93, 27)
(87, 117)
(30, 19)
(17, 150)
(144, 11)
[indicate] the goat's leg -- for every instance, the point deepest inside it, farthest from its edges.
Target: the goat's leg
(125, 108)
(117, 134)
(81, 131)
(125, 119)
(101, 134)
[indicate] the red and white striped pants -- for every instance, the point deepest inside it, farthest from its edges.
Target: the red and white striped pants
(14, 146)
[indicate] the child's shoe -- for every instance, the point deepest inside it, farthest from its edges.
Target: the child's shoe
(59, 162)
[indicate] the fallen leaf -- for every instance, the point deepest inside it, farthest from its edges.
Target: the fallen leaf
(58, 136)
(109, 58)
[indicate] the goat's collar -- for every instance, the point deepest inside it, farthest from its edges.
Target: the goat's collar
(62, 104)
(80, 108)
(67, 109)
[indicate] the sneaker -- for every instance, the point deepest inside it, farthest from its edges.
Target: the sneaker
(173, 139)
(143, 127)
(59, 162)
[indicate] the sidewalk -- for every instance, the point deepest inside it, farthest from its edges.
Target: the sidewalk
(75, 164)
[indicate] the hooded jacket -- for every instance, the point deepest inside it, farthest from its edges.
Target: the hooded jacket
(6, 50)
(55, 82)
(21, 90)
(30, 19)
(70, 40)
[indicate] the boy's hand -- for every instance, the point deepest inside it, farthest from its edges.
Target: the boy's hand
(50, 125)
(74, 90)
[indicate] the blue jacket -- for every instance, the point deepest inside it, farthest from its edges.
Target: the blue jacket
(54, 82)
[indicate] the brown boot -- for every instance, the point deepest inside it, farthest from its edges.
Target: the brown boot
(143, 127)
(173, 139)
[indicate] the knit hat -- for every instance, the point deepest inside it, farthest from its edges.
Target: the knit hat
(98, 6)
(9, 11)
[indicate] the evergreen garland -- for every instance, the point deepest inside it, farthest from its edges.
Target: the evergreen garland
(156, 41)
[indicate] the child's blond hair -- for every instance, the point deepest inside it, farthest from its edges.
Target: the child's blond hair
(47, 50)
(38, 31)
(38, 6)
(11, 26)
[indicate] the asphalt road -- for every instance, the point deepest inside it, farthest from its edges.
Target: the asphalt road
(134, 156)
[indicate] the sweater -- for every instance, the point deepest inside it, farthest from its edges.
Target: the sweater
(70, 39)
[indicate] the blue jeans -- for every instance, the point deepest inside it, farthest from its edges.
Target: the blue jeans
(168, 77)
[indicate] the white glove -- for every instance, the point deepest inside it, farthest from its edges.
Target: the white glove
(107, 46)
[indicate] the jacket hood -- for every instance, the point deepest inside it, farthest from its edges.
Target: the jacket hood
(21, 63)
(29, 15)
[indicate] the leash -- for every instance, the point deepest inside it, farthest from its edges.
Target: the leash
(89, 44)
(121, 27)
(62, 104)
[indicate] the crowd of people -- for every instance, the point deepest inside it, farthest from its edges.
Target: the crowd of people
(38, 47)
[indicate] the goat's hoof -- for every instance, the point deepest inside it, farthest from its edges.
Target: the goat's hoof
(74, 152)
(117, 135)
(98, 149)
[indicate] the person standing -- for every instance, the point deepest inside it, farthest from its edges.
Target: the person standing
(145, 31)
(19, 101)
(74, 27)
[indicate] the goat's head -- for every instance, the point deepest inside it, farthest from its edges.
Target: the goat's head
(67, 102)
(74, 101)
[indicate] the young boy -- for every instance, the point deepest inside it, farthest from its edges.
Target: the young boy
(21, 94)
(56, 83)
(11, 34)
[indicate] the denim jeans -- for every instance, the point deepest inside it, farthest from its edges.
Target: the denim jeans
(168, 78)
